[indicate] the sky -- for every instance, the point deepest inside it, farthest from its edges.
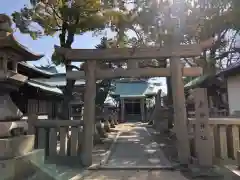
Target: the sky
(45, 45)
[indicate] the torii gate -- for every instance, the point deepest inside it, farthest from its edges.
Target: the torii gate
(92, 73)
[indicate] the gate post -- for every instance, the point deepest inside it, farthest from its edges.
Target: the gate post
(180, 117)
(89, 113)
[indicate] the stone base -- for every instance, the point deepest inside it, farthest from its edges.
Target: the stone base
(238, 158)
(198, 171)
(234, 169)
(16, 146)
(22, 167)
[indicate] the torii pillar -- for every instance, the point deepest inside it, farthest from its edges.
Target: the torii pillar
(89, 113)
(180, 115)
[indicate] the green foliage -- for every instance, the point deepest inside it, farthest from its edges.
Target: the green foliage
(57, 59)
(150, 20)
(103, 88)
(43, 18)
(187, 80)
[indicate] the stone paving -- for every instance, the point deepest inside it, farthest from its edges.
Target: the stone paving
(135, 148)
(135, 175)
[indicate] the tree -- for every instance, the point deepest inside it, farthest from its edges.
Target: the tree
(103, 88)
(150, 20)
(217, 19)
(65, 18)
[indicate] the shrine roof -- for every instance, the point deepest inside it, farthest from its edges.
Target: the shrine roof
(232, 69)
(51, 69)
(42, 72)
(9, 41)
(136, 88)
(44, 87)
(58, 81)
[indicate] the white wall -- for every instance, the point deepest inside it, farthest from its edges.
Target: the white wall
(233, 85)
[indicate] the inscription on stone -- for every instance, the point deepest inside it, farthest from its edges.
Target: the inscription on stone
(203, 137)
(202, 115)
(202, 125)
(203, 141)
(200, 104)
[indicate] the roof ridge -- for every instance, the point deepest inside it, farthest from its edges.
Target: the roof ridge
(41, 83)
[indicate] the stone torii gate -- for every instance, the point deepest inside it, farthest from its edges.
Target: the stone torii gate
(92, 73)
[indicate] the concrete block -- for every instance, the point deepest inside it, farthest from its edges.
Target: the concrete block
(16, 146)
(235, 172)
(22, 167)
(207, 172)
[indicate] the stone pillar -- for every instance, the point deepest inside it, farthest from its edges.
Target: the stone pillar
(180, 116)
(122, 110)
(158, 97)
(142, 106)
(157, 111)
(132, 64)
(238, 159)
(82, 112)
(145, 110)
(203, 142)
(89, 113)
(210, 102)
(14, 66)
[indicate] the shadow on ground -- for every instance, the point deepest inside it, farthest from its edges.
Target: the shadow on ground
(136, 148)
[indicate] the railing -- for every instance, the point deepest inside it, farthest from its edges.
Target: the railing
(61, 139)
(224, 134)
(212, 113)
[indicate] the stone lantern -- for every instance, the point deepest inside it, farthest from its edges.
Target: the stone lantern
(13, 139)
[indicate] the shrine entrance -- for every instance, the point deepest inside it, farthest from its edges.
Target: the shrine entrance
(132, 107)
(92, 73)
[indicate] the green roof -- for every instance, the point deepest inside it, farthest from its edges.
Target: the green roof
(134, 89)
